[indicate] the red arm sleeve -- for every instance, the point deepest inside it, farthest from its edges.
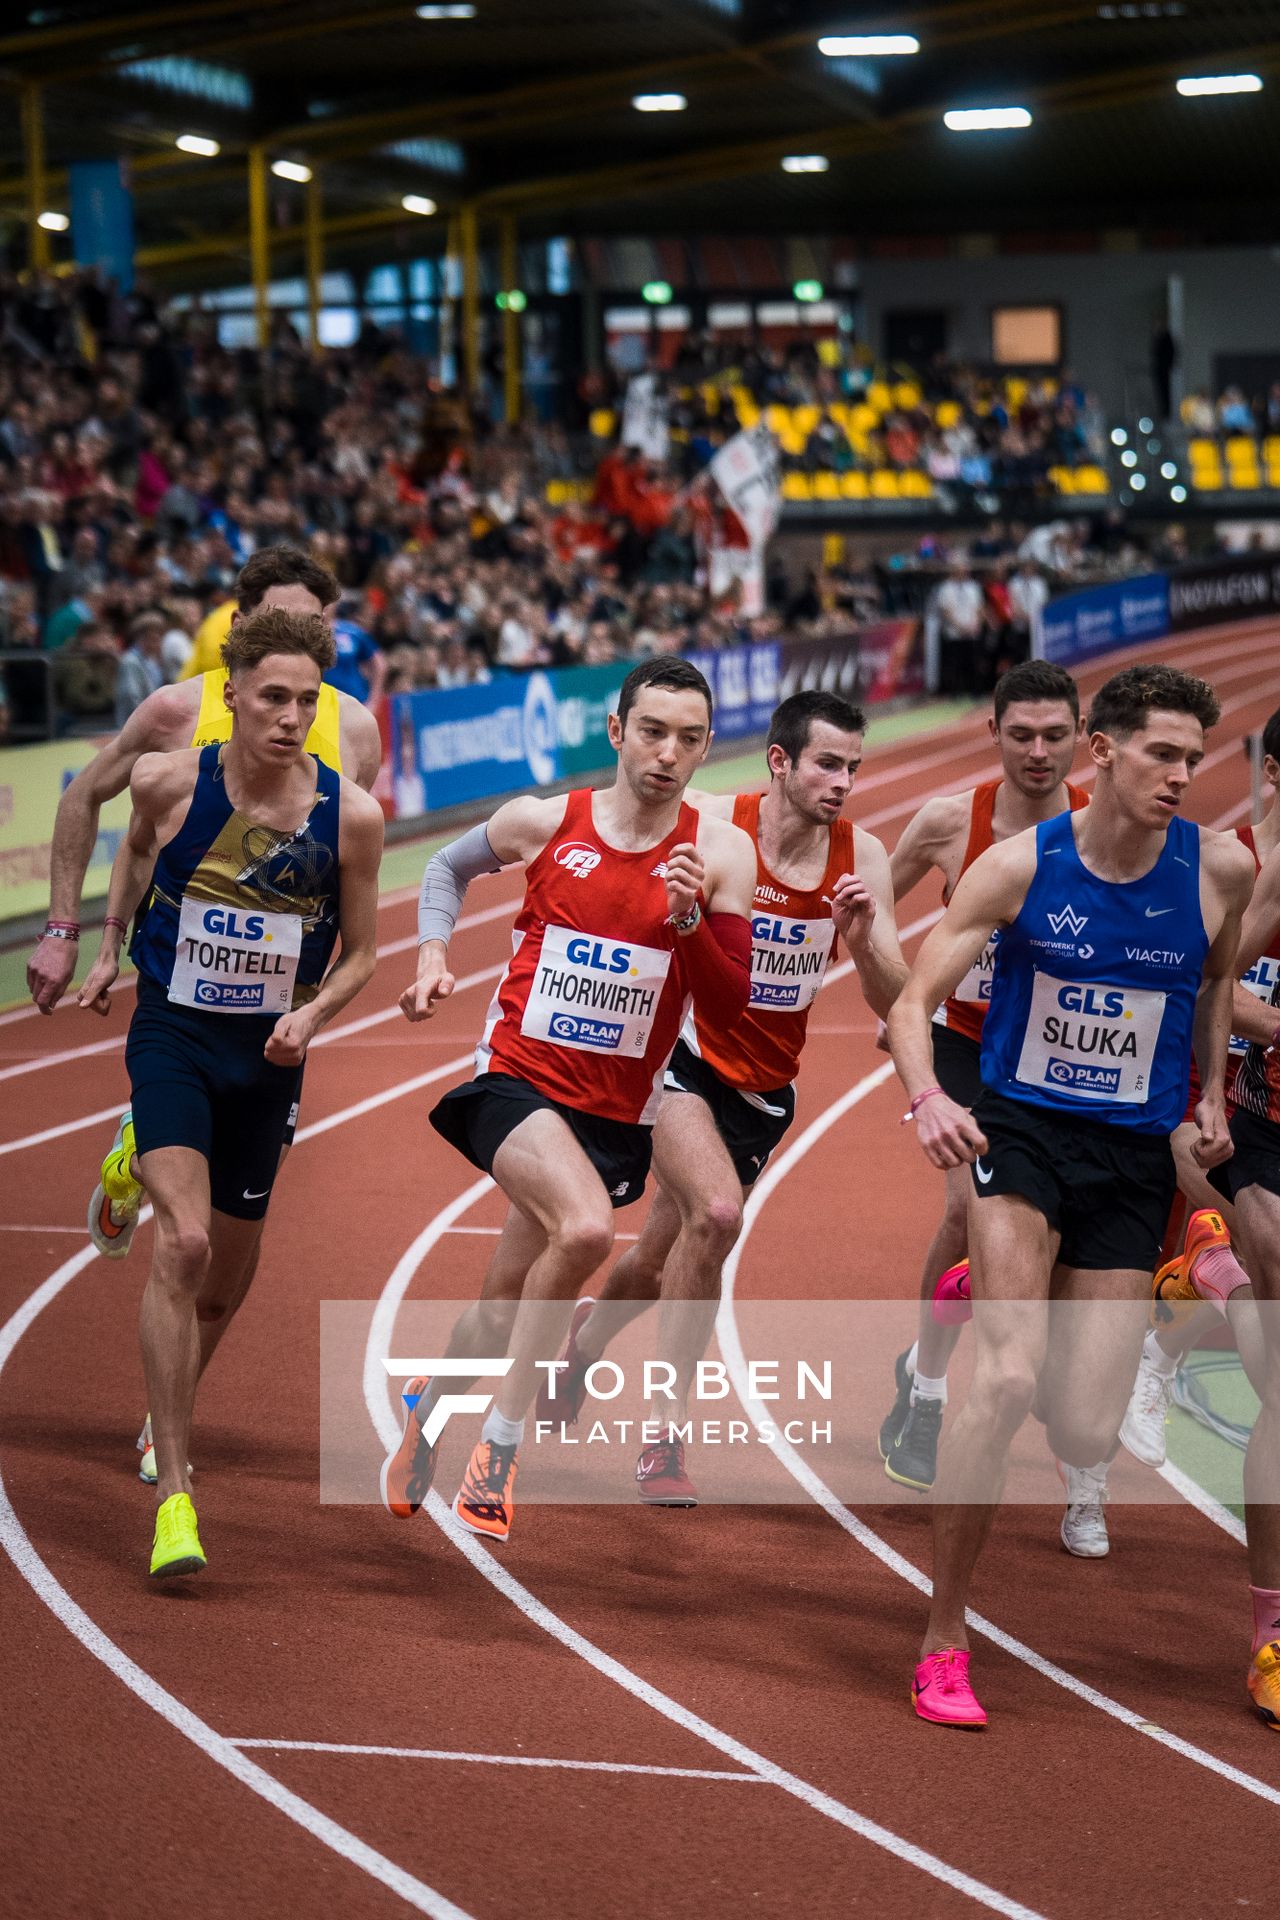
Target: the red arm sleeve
(716, 958)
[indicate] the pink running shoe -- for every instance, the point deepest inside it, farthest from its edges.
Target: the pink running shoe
(941, 1692)
(951, 1303)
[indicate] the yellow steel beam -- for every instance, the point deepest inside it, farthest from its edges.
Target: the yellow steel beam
(509, 273)
(468, 235)
(315, 257)
(180, 253)
(33, 161)
(260, 243)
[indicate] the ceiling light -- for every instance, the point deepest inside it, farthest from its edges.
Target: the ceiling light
(53, 222)
(1195, 89)
(1118, 436)
(805, 163)
(417, 203)
(1129, 458)
(1146, 424)
(196, 143)
(1168, 471)
(659, 102)
(457, 10)
(291, 170)
(1137, 481)
(980, 119)
(1178, 493)
(870, 45)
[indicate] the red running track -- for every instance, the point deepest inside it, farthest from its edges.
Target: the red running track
(704, 1714)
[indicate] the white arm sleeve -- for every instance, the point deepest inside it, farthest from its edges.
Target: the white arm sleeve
(448, 875)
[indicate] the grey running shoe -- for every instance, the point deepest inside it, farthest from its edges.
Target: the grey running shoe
(891, 1426)
(912, 1460)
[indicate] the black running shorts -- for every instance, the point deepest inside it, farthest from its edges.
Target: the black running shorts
(1106, 1190)
(477, 1117)
(201, 1080)
(749, 1132)
(1256, 1160)
(956, 1062)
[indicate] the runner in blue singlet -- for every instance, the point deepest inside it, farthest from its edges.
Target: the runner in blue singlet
(1118, 933)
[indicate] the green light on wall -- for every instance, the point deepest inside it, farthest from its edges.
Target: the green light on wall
(511, 300)
(656, 292)
(807, 290)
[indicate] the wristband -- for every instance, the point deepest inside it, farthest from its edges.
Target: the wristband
(688, 922)
(919, 1101)
(61, 930)
(114, 920)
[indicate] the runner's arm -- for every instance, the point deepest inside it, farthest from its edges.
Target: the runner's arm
(359, 856)
(361, 742)
(924, 838)
(518, 831)
(715, 950)
(75, 832)
(989, 895)
(862, 908)
(1262, 916)
(716, 806)
(154, 786)
(1232, 871)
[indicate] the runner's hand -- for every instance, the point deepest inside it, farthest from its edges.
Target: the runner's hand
(882, 1037)
(949, 1134)
(433, 984)
(1215, 1143)
(684, 878)
(100, 977)
(853, 908)
(289, 1039)
(49, 972)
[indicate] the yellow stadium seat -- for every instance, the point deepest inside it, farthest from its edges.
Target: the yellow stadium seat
(863, 418)
(795, 486)
(884, 484)
(1241, 446)
(777, 419)
(1063, 479)
(826, 486)
(805, 419)
(1091, 480)
(601, 423)
(879, 396)
(839, 412)
(907, 395)
(947, 413)
(854, 486)
(915, 485)
(1206, 480)
(1015, 392)
(1202, 450)
(557, 492)
(748, 412)
(791, 442)
(1271, 446)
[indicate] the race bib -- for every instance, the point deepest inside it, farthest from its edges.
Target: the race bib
(975, 989)
(788, 962)
(228, 960)
(1091, 1042)
(597, 995)
(1262, 980)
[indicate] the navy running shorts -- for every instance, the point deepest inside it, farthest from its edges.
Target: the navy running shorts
(199, 1080)
(749, 1132)
(477, 1117)
(1106, 1190)
(1256, 1160)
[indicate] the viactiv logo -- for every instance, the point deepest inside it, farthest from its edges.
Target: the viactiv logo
(449, 1403)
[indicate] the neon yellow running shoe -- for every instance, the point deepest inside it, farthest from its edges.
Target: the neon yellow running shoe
(177, 1546)
(113, 1210)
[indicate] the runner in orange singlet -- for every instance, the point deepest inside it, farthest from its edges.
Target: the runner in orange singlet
(730, 1097)
(635, 904)
(1036, 727)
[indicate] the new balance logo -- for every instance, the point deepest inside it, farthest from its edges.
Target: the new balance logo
(1076, 922)
(448, 1403)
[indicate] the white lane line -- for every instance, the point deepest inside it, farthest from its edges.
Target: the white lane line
(1204, 1502)
(17, 1544)
(68, 1126)
(8, 1229)
(495, 1231)
(799, 1468)
(387, 1427)
(501, 1760)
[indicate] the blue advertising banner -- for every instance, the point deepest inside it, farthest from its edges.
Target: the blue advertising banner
(102, 219)
(744, 684)
(1097, 620)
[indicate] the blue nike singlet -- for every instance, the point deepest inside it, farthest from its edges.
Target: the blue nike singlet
(1094, 991)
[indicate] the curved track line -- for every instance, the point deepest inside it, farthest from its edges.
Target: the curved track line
(387, 1428)
(17, 1544)
(799, 1468)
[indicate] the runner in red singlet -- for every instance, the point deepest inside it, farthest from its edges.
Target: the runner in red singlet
(635, 904)
(729, 1097)
(1036, 727)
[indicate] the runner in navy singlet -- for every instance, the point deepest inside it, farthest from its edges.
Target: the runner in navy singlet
(1118, 928)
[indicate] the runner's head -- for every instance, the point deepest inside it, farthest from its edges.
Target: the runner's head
(1271, 752)
(284, 577)
(1146, 734)
(1036, 725)
(813, 750)
(662, 729)
(275, 661)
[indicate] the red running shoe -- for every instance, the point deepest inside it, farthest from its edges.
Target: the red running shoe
(952, 1305)
(408, 1472)
(571, 1376)
(484, 1502)
(941, 1692)
(661, 1480)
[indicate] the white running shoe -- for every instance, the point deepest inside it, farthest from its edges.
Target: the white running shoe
(1084, 1524)
(147, 1465)
(1144, 1421)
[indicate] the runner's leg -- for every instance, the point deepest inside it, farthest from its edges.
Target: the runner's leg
(177, 1179)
